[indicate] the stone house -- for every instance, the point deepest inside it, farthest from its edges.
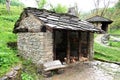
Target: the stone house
(100, 22)
(45, 36)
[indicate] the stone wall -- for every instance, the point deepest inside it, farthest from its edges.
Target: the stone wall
(31, 23)
(98, 25)
(37, 47)
(90, 46)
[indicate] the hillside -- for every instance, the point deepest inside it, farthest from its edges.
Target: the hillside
(8, 48)
(7, 55)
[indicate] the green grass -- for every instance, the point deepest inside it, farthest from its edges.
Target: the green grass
(30, 71)
(7, 60)
(106, 53)
(114, 44)
(114, 31)
(14, 10)
(8, 57)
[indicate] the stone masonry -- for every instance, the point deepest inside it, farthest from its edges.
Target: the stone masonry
(37, 47)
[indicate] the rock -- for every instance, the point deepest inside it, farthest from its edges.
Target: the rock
(114, 66)
(105, 39)
(4, 78)
(95, 63)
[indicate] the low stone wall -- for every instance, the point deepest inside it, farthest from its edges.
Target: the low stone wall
(14, 74)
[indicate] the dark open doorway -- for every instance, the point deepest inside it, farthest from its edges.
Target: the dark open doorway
(60, 44)
(70, 45)
(104, 27)
(63, 43)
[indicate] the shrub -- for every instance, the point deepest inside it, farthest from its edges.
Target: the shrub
(16, 3)
(26, 76)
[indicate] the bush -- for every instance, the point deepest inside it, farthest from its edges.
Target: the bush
(16, 3)
(2, 1)
(12, 3)
(26, 76)
(7, 60)
(59, 9)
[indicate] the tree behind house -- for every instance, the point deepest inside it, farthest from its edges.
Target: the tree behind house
(59, 8)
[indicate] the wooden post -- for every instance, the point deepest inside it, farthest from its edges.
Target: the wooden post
(68, 47)
(54, 45)
(88, 45)
(79, 45)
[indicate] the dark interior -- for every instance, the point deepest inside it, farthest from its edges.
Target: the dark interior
(104, 26)
(61, 43)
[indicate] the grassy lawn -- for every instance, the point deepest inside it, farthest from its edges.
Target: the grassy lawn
(8, 56)
(114, 31)
(106, 53)
(114, 44)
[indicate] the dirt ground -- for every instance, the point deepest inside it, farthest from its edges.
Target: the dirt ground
(88, 71)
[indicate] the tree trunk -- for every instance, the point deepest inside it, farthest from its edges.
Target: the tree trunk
(8, 5)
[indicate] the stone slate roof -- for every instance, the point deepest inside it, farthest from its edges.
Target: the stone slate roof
(58, 20)
(98, 18)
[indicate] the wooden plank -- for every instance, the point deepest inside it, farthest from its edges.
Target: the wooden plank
(54, 45)
(55, 67)
(79, 45)
(88, 44)
(52, 65)
(68, 47)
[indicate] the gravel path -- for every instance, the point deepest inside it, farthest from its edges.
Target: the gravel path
(95, 70)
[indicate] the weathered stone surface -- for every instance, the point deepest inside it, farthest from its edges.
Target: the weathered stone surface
(90, 48)
(36, 46)
(31, 23)
(105, 39)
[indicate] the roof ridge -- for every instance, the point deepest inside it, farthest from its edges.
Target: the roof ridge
(99, 18)
(34, 9)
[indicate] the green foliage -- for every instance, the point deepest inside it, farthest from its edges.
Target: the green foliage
(30, 71)
(114, 31)
(8, 56)
(16, 3)
(14, 10)
(106, 53)
(6, 59)
(112, 13)
(116, 24)
(6, 62)
(2, 1)
(114, 44)
(12, 2)
(59, 8)
(117, 5)
(26, 76)
(42, 4)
